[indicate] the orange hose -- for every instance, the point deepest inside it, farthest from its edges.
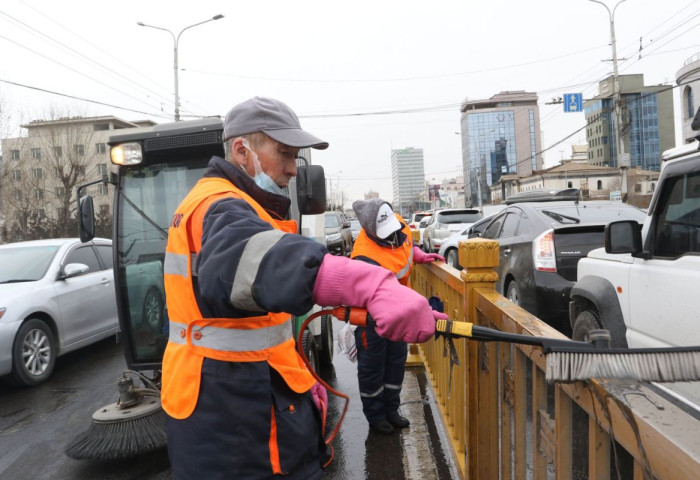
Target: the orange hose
(340, 313)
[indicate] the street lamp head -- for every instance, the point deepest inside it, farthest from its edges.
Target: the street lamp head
(216, 17)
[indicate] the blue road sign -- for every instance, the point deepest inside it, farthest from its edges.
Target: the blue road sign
(573, 102)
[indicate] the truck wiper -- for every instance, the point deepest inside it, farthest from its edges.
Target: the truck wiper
(19, 280)
(143, 214)
(559, 217)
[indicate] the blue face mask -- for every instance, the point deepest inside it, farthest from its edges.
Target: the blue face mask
(261, 178)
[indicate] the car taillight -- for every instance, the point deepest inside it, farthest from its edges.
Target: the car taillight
(543, 252)
(412, 227)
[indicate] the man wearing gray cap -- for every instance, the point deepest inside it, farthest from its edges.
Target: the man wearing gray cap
(240, 402)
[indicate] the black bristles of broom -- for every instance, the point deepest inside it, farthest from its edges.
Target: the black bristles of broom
(120, 439)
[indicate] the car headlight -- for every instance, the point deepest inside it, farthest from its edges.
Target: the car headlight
(332, 237)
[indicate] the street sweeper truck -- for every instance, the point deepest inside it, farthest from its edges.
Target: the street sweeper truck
(156, 167)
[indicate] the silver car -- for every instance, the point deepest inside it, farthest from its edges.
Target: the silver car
(445, 223)
(55, 296)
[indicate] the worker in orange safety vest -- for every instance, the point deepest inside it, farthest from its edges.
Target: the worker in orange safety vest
(384, 240)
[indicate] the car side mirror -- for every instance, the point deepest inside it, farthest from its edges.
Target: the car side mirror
(74, 269)
(346, 224)
(86, 218)
(311, 189)
(624, 236)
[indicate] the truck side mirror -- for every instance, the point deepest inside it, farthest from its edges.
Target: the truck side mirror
(86, 218)
(311, 189)
(623, 237)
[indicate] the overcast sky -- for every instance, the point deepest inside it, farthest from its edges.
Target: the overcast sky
(367, 76)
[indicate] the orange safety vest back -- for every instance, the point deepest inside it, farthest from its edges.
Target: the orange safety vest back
(192, 338)
(398, 260)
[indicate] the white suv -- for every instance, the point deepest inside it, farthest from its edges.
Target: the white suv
(642, 286)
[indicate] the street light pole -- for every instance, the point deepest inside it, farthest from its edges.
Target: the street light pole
(622, 161)
(176, 40)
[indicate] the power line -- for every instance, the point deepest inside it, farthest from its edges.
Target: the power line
(81, 98)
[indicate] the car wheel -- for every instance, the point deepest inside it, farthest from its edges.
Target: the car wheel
(585, 322)
(326, 353)
(33, 353)
(513, 293)
(152, 314)
(452, 258)
(308, 345)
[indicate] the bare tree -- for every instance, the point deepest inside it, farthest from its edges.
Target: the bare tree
(42, 171)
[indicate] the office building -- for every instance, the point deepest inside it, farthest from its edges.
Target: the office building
(500, 136)
(408, 179)
(647, 124)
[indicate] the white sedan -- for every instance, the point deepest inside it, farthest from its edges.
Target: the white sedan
(55, 296)
(450, 246)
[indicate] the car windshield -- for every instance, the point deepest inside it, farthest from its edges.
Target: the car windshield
(460, 217)
(591, 213)
(332, 221)
(355, 226)
(417, 217)
(25, 264)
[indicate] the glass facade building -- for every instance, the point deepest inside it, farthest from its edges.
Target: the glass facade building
(500, 136)
(647, 126)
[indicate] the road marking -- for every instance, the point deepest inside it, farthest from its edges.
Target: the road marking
(418, 461)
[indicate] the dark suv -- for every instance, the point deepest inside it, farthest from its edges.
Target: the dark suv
(541, 239)
(338, 234)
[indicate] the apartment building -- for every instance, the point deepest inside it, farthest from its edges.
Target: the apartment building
(41, 171)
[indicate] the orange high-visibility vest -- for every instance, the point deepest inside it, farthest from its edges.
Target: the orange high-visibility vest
(398, 260)
(192, 338)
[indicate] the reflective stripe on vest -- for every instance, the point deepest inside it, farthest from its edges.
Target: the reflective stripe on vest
(176, 264)
(406, 269)
(229, 339)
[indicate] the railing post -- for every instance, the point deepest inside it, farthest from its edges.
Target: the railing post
(479, 257)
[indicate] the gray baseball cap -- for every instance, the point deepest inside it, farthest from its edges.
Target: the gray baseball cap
(272, 117)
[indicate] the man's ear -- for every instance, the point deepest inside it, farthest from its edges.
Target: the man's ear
(240, 154)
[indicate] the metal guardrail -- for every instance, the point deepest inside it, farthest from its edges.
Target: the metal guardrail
(505, 421)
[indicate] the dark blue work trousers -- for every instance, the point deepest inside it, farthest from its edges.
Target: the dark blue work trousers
(380, 370)
(228, 434)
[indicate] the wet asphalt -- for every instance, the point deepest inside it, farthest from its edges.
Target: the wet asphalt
(36, 424)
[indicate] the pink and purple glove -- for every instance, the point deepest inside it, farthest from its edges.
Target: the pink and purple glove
(401, 314)
(319, 394)
(419, 256)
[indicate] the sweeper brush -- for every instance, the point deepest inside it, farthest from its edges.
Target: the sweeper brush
(569, 360)
(133, 425)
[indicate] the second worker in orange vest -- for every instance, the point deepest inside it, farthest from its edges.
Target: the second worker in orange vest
(384, 240)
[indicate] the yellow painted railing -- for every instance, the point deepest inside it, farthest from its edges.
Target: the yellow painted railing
(505, 421)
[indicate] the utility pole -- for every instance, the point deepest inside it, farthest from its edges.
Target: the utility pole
(623, 159)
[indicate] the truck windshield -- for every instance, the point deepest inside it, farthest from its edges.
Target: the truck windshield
(146, 200)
